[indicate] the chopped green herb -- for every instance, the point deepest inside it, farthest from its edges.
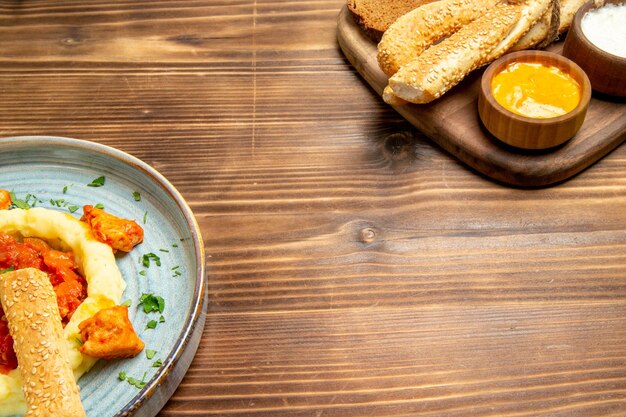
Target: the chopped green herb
(126, 303)
(150, 353)
(175, 267)
(72, 209)
(136, 196)
(142, 273)
(147, 257)
(145, 217)
(152, 303)
(174, 245)
(157, 363)
(9, 269)
(65, 189)
(164, 250)
(122, 376)
(176, 274)
(136, 383)
(34, 199)
(97, 182)
(78, 341)
(161, 319)
(99, 206)
(152, 324)
(18, 202)
(21, 204)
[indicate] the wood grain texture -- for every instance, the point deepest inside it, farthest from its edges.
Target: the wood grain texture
(355, 268)
(452, 122)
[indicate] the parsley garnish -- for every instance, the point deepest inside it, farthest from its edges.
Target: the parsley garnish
(152, 324)
(145, 217)
(152, 303)
(157, 363)
(97, 182)
(99, 206)
(146, 259)
(9, 269)
(150, 353)
(72, 209)
(65, 189)
(126, 303)
(19, 203)
(137, 196)
(136, 383)
(133, 381)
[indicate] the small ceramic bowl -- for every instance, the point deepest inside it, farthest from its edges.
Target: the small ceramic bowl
(607, 72)
(528, 132)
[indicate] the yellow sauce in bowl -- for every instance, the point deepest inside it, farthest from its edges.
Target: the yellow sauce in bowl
(535, 90)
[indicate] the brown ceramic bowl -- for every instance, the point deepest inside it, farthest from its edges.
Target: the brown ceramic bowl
(528, 132)
(607, 72)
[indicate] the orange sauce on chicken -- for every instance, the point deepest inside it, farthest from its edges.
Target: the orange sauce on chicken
(535, 90)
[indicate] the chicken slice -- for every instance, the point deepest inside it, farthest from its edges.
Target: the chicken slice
(109, 334)
(120, 234)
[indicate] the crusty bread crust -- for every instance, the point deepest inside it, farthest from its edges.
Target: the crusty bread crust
(417, 30)
(30, 305)
(375, 16)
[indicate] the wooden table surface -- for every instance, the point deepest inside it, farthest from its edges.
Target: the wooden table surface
(355, 268)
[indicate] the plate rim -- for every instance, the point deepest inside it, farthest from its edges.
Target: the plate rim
(161, 386)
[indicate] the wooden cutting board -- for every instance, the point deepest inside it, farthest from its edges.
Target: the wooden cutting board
(453, 123)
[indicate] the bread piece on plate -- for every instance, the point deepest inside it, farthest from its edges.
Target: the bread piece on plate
(30, 305)
(375, 16)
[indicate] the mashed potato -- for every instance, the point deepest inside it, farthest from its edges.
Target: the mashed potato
(95, 261)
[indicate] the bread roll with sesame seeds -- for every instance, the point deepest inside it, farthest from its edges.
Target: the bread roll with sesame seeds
(568, 10)
(30, 305)
(544, 32)
(445, 64)
(415, 31)
(531, 12)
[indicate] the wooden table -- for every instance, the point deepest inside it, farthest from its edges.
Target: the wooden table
(355, 269)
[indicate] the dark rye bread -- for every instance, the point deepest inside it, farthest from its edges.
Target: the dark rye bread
(375, 16)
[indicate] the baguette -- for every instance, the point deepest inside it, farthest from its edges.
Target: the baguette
(445, 64)
(413, 33)
(30, 305)
(568, 10)
(531, 12)
(544, 32)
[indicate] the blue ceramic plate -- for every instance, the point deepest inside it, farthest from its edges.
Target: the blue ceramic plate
(54, 173)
